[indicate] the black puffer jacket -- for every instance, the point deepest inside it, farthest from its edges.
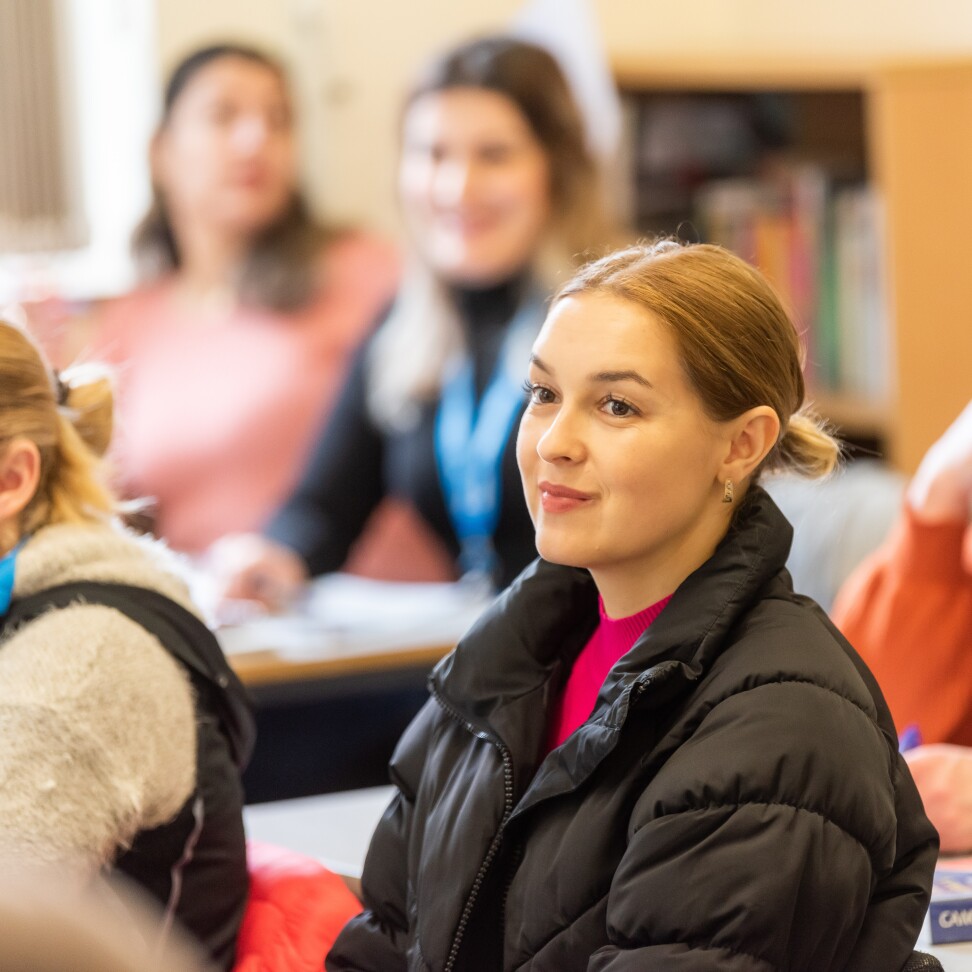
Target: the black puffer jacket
(735, 802)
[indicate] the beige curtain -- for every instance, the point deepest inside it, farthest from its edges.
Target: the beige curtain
(40, 199)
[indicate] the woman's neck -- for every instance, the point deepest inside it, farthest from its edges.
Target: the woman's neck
(632, 585)
(484, 315)
(626, 597)
(485, 308)
(208, 262)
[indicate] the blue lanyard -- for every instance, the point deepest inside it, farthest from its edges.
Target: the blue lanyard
(7, 567)
(470, 439)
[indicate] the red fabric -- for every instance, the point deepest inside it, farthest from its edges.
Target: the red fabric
(294, 913)
(611, 640)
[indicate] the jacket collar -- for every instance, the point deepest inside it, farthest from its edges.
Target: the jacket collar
(503, 672)
(693, 627)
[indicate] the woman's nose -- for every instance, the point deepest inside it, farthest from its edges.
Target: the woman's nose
(453, 182)
(563, 440)
(251, 132)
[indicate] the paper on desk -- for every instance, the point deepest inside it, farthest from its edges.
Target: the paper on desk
(342, 614)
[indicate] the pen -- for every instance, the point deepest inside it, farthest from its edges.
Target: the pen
(910, 738)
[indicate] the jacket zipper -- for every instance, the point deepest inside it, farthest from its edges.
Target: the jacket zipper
(643, 683)
(497, 839)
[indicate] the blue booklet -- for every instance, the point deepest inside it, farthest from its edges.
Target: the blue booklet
(950, 910)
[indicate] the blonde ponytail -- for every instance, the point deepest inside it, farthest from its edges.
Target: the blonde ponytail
(69, 419)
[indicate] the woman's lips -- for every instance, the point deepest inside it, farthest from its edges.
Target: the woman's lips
(561, 499)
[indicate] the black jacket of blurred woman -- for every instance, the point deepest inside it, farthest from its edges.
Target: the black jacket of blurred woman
(501, 196)
(650, 753)
(116, 753)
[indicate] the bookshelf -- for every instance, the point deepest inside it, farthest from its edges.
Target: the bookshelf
(905, 131)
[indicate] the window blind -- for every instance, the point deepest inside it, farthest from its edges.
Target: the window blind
(40, 196)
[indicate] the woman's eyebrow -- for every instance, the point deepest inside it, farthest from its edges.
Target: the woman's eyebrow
(598, 377)
(609, 376)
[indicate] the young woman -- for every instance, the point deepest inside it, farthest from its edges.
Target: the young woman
(117, 752)
(231, 351)
(650, 753)
(500, 194)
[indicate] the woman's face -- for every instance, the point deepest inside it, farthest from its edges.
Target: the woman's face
(620, 463)
(225, 159)
(474, 184)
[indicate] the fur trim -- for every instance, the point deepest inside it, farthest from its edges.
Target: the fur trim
(63, 553)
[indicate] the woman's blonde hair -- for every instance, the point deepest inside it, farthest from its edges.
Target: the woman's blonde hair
(421, 334)
(69, 418)
(737, 343)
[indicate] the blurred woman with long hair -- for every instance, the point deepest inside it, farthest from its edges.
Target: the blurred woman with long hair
(501, 197)
(232, 348)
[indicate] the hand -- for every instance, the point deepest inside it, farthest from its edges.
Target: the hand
(943, 775)
(941, 490)
(250, 567)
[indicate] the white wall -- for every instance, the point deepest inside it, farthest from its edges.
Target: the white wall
(353, 57)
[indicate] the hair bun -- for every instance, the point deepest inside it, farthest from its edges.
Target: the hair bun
(806, 447)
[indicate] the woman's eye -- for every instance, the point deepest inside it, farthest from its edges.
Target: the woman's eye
(430, 152)
(495, 154)
(538, 394)
(618, 408)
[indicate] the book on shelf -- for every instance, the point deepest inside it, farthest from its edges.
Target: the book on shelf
(819, 243)
(950, 910)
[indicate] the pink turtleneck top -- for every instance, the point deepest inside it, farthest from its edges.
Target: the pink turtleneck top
(612, 639)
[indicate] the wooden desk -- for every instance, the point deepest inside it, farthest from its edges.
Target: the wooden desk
(350, 631)
(331, 722)
(334, 686)
(351, 627)
(323, 728)
(258, 669)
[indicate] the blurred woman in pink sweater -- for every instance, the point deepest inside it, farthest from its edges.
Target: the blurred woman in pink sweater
(230, 352)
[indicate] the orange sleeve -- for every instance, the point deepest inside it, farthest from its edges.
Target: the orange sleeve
(908, 611)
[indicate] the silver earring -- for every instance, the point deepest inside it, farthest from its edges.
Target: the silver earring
(728, 492)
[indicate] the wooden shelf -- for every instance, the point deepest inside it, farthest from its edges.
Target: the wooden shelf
(742, 73)
(918, 140)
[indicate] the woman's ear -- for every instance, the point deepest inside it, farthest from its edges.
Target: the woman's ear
(19, 477)
(752, 435)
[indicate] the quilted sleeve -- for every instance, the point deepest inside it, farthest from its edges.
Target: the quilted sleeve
(757, 844)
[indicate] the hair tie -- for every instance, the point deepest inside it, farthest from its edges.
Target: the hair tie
(60, 390)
